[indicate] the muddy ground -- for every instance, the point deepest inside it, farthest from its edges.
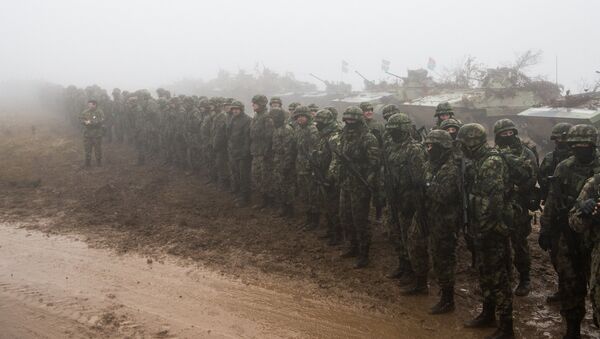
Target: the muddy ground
(161, 212)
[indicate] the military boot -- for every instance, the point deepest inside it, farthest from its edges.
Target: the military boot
(351, 252)
(408, 278)
(524, 285)
(486, 318)
(419, 287)
(553, 298)
(397, 273)
(335, 238)
(363, 257)
(504, 330)
(446, 303)
(573, 328)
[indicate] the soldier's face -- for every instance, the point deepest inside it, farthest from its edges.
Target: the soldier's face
(452, 130)
(275, 105)
(368, 115)
(236, 111)
(508, 133)
(255, 107)
(444, 116)
(91, 105)
(302, 120)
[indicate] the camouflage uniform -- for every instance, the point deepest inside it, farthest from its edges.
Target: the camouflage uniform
(118, 115)
(328, 189)
(441, 203)
(206, 136)
(357, 165)
(572, 255)
(238, 131)
(306, 137)
(261, 137)
(489, 225)
(404, 161)
(92, 120)
(443, 108)
(522, 165)
(378, 129)
(585, 220)
(219, 147)
(284, 155)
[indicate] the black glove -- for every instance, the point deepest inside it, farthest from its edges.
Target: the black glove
(545, 240)
(587, 207)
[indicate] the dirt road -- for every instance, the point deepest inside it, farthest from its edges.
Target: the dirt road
(55, 286)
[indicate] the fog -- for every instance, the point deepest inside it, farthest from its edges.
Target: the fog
(135, 44)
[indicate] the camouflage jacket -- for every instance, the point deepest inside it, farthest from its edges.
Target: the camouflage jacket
(322, 155)
(547, 167)
(442, 188)
(206, 130)
(238, 131)
(306, 139)
(284, 149)
(405, 169)
(523, 170)
(489, 213)
(92, 121)
(219, 132)
(261, 134)
(580, 223)
(360, 150)
(568, 180)
(377, 128)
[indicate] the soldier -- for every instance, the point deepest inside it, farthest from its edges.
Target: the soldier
(261, 137)
(551, 160)
(291, 108)
(313, 108)
(522, 166)
(284, 156)
(572, 255)
(488, 216)
(443, 112)
(135, 114)
(442, 197)
(207, 136)
(219, 147)
(118, 115)
(148, 125)
(275, 103)
(584, 218)
(92, 120)
(357, 166)
(306, 138)
(389, 110)
(377, 128)
(238, 148)
(328, 189)
(405, 166)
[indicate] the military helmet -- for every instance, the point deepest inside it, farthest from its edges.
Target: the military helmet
(215, 101)
(472, 135)
(399, 121)
(439, 137)
(450, 123)
(503, 125)
(237, 104)
(294, 105)
(389, 110)
(560, 131)
(228, 101)
(275, 100)
(260, 100)
(313, 107)
(582, 133)
(301, 110)
(324, 116)
(443, 108)
(366, 106)
(353, 112)
(333, 110)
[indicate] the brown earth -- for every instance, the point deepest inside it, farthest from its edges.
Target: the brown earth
(162, 212)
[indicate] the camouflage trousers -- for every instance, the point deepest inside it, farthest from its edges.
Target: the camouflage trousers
(222, 168)
(307, 191)
(416, 245)
(573, 266)
(493, 264)
(92, 144)
(262, 171)
(240, 177)
(518, 240)
(399, 233)
(329, 200)
(595, 282)
(283, 186)
(442, 246)
(355, 205)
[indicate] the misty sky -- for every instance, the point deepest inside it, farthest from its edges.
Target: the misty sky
(132, 44)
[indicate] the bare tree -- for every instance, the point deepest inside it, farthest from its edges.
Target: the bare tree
(527, 59)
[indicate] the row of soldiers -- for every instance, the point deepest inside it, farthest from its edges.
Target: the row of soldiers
(433, 188)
